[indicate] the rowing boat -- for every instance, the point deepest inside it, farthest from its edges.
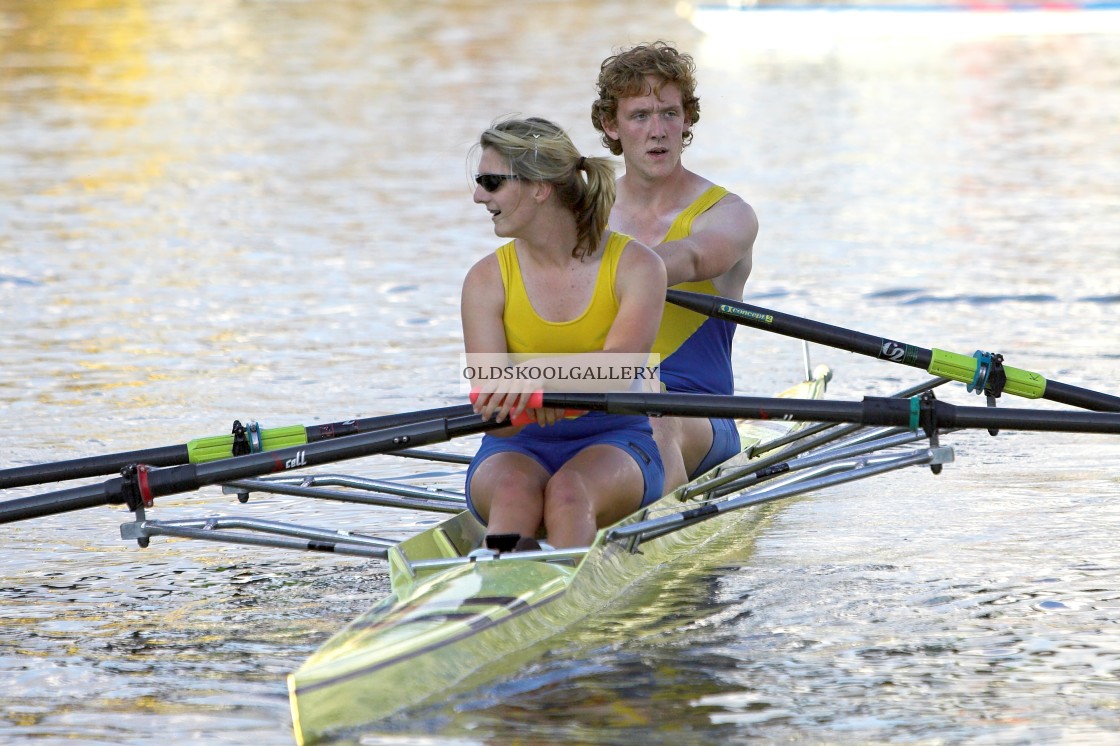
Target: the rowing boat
(750, 24)
(450, 617)
(453, 621)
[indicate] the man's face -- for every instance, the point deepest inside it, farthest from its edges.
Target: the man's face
(651, 129)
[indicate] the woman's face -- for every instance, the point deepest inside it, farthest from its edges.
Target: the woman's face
(501, 196)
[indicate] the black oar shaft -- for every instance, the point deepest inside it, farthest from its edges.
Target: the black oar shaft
(1053, 421)
(62, 501)
(1075, 396)
(937, 362)
(874, 411)
(793, 326)
(188, 477)
(94, 466)
(369, 424)
(91, 466)
(711, 405)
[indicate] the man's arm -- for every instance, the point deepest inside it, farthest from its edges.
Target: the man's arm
(722, 239)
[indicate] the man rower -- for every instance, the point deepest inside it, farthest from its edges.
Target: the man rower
(646, 111)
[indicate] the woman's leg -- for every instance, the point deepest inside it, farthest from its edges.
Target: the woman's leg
(507, 490)
(598, 486)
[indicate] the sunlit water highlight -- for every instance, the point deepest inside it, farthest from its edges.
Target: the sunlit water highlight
(259, 210)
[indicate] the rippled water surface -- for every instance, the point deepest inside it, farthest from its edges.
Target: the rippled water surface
(261, 210)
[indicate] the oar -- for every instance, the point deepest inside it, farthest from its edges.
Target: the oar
(201, 450)
(140, 485)
(919, 412)
(975, 371)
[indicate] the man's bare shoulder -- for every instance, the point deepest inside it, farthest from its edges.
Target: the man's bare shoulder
(694, 186)
(724, 237)
(734, 208)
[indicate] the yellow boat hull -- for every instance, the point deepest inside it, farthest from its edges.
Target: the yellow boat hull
(443, 627)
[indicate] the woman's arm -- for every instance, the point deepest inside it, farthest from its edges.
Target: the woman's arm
(640, 287)
(483, 306)
(482, 309)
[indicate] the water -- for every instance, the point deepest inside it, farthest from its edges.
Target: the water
(250, 210)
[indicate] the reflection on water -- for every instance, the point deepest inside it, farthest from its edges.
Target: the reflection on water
(258, 210)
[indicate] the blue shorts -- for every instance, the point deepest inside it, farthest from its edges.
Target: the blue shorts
(725, 444)
(554, 446)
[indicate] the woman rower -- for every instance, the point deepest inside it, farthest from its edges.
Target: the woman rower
(564, 285)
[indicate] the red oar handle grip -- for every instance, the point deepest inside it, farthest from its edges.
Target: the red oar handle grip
(536, 401)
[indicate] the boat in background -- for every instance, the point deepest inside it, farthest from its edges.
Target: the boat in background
(775, 25)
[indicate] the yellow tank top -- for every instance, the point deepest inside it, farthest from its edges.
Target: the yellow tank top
(678, 324)
(526, 332)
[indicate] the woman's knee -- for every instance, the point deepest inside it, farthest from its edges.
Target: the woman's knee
(500, 480)
(507, 474)
(566, 492)
(564, 482)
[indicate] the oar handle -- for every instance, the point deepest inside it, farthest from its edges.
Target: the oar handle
(526, 416)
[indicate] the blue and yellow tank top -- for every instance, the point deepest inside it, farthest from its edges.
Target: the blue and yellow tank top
(695, 349)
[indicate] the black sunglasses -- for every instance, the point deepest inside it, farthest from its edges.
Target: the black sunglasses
(493, 182)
